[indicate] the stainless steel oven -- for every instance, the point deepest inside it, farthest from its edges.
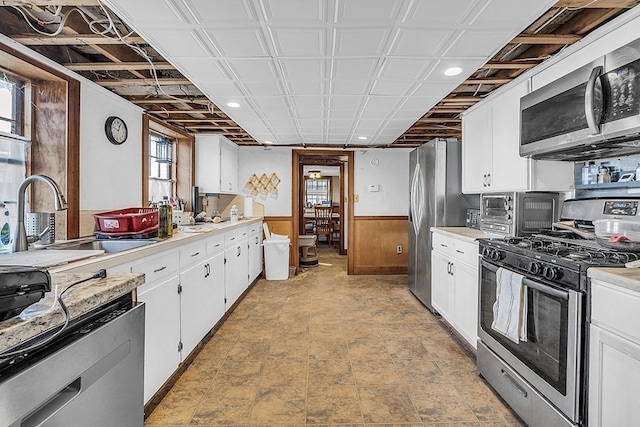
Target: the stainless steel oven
(540, 375)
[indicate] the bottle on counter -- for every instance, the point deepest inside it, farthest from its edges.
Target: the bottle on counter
(233, 213)
(585, 173)
(165, 220)
(638, 172)
(604, 176)
(5, 232)
(593, 173)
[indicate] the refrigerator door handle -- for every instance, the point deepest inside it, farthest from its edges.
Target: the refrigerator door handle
(417, 201)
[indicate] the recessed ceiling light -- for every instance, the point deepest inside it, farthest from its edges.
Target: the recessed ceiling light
(233, 105)
(452, 71)
(362, 138)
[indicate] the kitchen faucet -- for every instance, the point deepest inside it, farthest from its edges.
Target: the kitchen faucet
(20, 242)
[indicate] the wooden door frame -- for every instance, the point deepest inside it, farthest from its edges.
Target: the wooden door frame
(296, 174)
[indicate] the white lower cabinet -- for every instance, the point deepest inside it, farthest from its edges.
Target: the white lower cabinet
(162, 318)
(236, 269)
(614, 356)
(454, 284)
(255, 252)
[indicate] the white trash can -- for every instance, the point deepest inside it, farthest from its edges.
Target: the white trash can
(276, 258)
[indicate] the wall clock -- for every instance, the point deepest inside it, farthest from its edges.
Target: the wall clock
(116, 130)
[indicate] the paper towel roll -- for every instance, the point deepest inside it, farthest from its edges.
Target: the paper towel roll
(248, 207)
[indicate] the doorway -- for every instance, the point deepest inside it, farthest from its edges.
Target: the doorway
(342, 209)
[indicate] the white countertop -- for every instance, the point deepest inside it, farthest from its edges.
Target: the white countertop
(464, 233)
(109, 260)
(628, 278)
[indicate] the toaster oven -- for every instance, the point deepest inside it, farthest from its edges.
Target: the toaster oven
(518, 213)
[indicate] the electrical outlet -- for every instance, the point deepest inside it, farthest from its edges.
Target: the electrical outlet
(399, 249)
(356, 198)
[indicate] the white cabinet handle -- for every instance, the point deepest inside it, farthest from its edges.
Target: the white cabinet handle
(459, 251)
(157, 270)
(195, 254)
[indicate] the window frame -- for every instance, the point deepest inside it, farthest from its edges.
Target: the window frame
(319, 193)
(18, 95)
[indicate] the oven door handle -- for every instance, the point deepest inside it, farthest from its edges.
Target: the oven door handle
(563, 295)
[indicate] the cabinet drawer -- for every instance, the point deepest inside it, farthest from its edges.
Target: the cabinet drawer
(442, 243)
(255, 228)
(157, 266)
(243, 232)
(192, 254)
(215, 245)
(231, 238)
(466, 252)
(616, 308)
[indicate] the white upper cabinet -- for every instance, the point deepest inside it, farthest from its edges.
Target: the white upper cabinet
(216, 164)
(490, 150)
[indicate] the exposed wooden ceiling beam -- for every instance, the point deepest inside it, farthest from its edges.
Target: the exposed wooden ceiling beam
(117, 66)
(141, 82)
(546, 39)
(439, 120)
(580, 4)
(179, 112)
(49, 2)
(79, 39)
(487, 81)
(176, 100)
(510, 65)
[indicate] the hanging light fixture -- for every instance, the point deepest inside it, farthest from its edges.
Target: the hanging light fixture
(315, 175)
(164, 147)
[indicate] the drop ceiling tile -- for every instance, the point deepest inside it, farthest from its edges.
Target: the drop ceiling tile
(444, 14)
(368, 11)
(314, 103)
(179, 44)
(360, 41)
(391, 87)
(416, 105)
(302, 69)
(367, 114)
(353, 68)
(219, 91)
(497, 13)
(404, 68)
(301, 42)
(418, 43)
(369, 123)
(436, 88)
(349, 87)
(477, 43)
(306, 87)
(236, 12)
(313, 124)
(384, 103)
(253, 69)
(201, 69)
(272, 88)
(164, 12)
(298, 11)
(238, 42)
(351, 103)
(468, 66)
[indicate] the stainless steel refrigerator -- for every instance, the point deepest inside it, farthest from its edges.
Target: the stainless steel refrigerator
(435, 200)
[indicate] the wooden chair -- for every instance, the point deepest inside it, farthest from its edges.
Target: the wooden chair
(323, 225)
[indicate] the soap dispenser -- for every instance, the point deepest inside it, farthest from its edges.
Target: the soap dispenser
(234, 213)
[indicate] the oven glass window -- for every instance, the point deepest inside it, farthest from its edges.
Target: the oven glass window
(545, 351)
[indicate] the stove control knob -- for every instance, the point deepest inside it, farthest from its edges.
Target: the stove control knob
(535, 268)
(507, 216)
(486, 252)
(497, 255)
(552, 273)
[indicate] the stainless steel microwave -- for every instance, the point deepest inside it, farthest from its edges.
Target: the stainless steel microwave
(518, 213)
(593, 112)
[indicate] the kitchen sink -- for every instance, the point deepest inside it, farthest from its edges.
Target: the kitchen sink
(108, 246)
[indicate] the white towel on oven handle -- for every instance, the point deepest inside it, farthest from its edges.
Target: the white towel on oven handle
(510, 307)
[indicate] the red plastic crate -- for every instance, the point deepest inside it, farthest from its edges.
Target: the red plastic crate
(126, 220)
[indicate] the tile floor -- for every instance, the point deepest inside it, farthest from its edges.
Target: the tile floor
(325, 349)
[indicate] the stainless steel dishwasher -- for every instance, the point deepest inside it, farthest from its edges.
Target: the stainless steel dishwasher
(91, 375)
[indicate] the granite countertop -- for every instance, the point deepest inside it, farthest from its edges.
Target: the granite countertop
(464, 233)
(79, 300)
(628, 278)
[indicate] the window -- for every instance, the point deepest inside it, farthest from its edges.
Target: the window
(317, 191)
(161, 167)
(11, 105)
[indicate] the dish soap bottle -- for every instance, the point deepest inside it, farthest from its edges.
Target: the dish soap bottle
(165, 227)
(5, 232)
(234, 213)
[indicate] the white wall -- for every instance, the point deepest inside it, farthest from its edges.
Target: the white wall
(110, 175)
(277, 160)
(389, 170)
